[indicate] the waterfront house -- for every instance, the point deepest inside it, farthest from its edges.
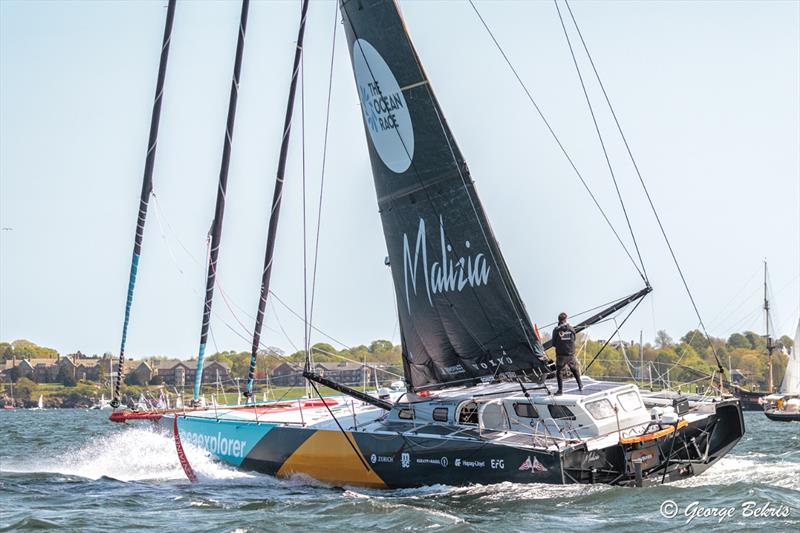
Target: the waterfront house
(346, 373)
(287, 375)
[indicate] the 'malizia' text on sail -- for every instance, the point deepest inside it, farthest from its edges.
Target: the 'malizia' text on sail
(448, 274)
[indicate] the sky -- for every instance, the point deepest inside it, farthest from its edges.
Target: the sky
(708, 94)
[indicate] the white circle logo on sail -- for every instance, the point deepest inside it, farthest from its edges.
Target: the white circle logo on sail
(384, 107)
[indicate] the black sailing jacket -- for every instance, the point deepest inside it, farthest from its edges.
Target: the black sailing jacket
(564, 340)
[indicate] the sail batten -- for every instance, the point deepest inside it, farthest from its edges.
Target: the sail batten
(460, 314)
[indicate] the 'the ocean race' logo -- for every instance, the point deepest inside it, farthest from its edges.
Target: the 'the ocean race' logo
(446, 274)
(384, 107)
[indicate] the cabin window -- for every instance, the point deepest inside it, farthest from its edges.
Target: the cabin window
(525, 410)
(560, 411)
(468, 414)
(600, 409)
(629, 400)
(406, 414)
(440, 414)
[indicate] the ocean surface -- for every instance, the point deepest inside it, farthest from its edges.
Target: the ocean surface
(74, 470)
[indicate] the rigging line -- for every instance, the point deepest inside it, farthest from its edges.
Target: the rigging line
(748, 320)
(166, 242)
(305, 218)
(278, 320)
(296, 314)
(612, 335)
(322, 172)
(555, 137)
(602, 142)
(720, 323)
(372, 367)
(682, 352)
(646, 191)
(628, 364)
(738, 293)
(228, 301)
(573, 315)
(275, 297)
(344, 433)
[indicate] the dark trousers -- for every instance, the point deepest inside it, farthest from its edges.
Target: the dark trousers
(567, 361)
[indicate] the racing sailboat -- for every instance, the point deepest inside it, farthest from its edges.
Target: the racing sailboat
(479, 404)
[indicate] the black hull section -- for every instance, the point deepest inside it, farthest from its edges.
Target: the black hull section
(749, 399)
(394, 460)
(692, 451)
(782, 416)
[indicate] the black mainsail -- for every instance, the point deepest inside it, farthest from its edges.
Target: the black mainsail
(219, 211)
(461, 317)
(147, 189)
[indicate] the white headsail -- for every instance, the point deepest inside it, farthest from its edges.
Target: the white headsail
(791, 379)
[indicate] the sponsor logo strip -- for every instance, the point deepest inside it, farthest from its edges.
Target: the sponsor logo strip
(229, 441)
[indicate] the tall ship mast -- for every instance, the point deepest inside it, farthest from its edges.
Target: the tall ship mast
(768, 336)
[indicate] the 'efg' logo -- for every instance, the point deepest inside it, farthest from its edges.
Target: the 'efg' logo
(385, 111)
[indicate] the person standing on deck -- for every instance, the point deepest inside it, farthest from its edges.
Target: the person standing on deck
(564, 343)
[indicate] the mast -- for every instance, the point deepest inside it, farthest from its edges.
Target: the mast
(219, 211)
(144, 199)
(770, 344)
(641, 359)
(276, 203)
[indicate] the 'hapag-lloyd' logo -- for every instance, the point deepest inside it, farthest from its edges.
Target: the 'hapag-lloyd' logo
(446, 275)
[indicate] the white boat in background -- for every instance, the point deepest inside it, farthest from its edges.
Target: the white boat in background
(784, 406)
(102, 404)
(39, 404)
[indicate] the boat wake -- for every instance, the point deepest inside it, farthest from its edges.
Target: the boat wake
(134, 454)
(500, 492)
(779, 470)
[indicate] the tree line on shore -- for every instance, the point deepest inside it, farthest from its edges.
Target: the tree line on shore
(687, 360)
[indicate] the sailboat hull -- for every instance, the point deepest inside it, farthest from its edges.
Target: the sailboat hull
(386, 459)
(782, 416)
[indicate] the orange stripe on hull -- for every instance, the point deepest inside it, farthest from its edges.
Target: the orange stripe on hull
(653, 436)
(327, 456)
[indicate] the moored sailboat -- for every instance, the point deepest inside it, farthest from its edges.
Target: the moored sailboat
(754, 400)
(784, 406)
(9, 403)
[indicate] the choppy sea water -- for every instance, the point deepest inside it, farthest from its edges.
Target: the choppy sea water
(74, 470)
